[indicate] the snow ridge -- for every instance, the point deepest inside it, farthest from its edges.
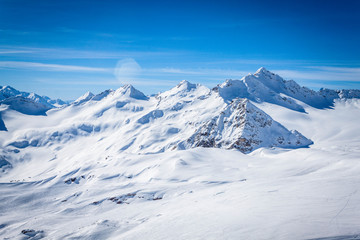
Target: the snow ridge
(27, 103)
(265, 86)
(243, 126)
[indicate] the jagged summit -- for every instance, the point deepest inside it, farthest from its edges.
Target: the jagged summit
(262, 70)
(7, 91)
(269, 79)
(265, 86)
(129, 91)
(185, 89)
(24, 102)
(185, 85)
(124, 91)
(25, 105)
(84, 98)
(243, 126)
(262, 87)
(102, 95)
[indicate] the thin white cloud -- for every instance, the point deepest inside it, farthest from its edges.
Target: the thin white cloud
(337, 69)
(226, 73)
(107, 82)
(323, 73)
(172, 71)
(6, 52)
(68, 53)
(77, 81)
(49, 67)
(126, 70)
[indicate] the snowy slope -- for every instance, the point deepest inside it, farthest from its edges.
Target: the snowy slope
(91, 192)
(121, 165)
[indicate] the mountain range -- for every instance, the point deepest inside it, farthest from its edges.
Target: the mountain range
(191, 162)
(187, 116)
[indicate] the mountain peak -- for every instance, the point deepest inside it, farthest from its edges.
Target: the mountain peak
(24, 102)
(84, 98)
(185, 89)
(263, 71)
(88, 94)
(8, 91)
(243, 126)
(129, 91)
(263, 86)
(8, 87)
(186, 85)
(128, 86)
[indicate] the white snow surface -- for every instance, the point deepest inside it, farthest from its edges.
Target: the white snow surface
(119, 165)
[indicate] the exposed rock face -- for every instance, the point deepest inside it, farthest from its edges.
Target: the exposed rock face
(243, 126)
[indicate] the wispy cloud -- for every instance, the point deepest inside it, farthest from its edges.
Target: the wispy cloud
(337, 69)
(127, 70)
(198, 72)
(108, 82)
(8, 52)
(172, 70)
(322, 73)
(77, 81)
(49, 67)
(68, 53)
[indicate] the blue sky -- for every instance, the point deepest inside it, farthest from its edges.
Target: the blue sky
(65, 48)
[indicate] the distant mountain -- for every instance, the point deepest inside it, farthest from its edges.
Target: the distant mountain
(265, 86)
(27, 103)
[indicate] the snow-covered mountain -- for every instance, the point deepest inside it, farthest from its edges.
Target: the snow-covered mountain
(186, 116)
(27, 103)
(245, 127)
(120, 164)
(265, 86)
(127, 90)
